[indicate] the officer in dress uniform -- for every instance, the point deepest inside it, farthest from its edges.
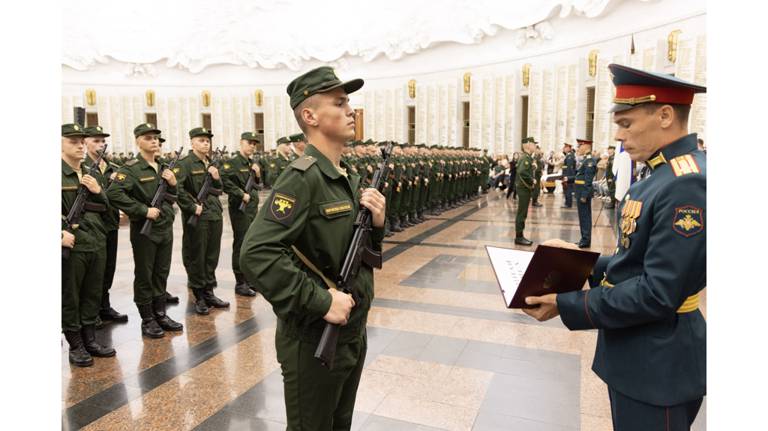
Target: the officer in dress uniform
(569, 174)
(236, 172)
(585, 174)
(651, 345)
(295, 248)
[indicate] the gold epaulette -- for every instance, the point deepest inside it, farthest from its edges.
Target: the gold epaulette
(684, 165)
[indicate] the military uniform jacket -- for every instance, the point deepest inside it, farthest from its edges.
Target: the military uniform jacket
(312, 208)
(235, 173)
(524, 174)
(569, 167)
(609, 177)
(132, 191)
(110, 217)
(90, 234)
(191, 177)
(651, 343)
(584, 177)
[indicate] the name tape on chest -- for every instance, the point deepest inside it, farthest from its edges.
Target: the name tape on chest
(336, 208)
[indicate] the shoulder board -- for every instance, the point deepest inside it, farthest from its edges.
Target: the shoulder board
(684, 165)
(131, 162)
(303, 163)
(114, 166)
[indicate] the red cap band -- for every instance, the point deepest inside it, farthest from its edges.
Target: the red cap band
(634, 94)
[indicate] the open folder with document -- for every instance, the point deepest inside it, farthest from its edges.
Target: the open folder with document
(547, 270)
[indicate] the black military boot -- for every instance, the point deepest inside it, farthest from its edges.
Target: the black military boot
(78, 356)
(243, 289)
(421, 217)
(149, 326)
(394, 224)
(521, 240)
(109, 314)
(162, 319)
(536, 204)
(200, 305)
(95, 349)
(415, 218)
(170, 299)
(212, 300)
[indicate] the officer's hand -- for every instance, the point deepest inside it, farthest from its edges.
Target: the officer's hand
(169, 176)
(198, 209)
(214, 172)
(583, 200)
(556, 242)
(246, 197)
(67, 239)
(547, 308)
(153, 213)
(341, 307)
(376, 203)
(91, 184)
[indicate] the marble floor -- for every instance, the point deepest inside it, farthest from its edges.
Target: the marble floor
(444, 353)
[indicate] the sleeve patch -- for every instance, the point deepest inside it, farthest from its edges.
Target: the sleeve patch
(282, 207)
(120, 177)
(688, 221)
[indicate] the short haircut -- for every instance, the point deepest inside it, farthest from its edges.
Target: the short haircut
(681, 111)
(309, 102)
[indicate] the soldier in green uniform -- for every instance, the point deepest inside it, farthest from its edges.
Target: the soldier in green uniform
(132, 191)
(201, 244)
(651, 343)
(524, 184)
(610, 179)
(235, 176)
(111, 217)
(298, 144)
(83, 271)
(537, 172)
(295, 248)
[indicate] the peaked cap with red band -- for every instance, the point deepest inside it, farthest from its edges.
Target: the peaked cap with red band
(635, 87)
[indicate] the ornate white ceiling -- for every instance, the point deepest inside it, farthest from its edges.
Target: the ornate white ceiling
(273, 34)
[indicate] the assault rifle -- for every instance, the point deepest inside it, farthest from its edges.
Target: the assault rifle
(161, 194)
(356, 253)
(78, 207)
(249, 185)
(207, 188)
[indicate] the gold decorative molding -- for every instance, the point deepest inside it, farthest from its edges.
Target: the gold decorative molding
(150, 98)
(593, 62)
(672, 45)
(258, 96)
(467, 82)
(206, 96)
(526, 74)
(90, 97)
(412, 88)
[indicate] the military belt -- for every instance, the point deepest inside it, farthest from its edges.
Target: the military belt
(690, 304)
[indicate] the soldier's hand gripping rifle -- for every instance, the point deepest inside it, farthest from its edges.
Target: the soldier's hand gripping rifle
(161, 194)
(249, 185)
(356, 253)
(207, 188)
(78, 207)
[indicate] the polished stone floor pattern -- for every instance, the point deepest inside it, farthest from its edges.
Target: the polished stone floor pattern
(444, 353)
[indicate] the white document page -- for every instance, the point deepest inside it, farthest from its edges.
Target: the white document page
(510, 266)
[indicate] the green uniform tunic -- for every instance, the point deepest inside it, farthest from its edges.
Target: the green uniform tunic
(201, 244)
(311, 210)
(132, 192)
(235, 175)
(524, 184)
(82, 274)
